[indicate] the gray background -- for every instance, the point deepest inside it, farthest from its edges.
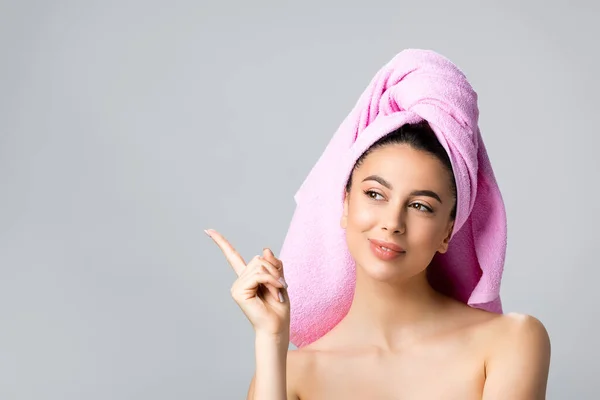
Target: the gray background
(126, 128)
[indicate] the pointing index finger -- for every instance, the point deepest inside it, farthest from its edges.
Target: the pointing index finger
(233, 257)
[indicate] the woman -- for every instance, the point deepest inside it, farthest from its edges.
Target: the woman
(401, 336)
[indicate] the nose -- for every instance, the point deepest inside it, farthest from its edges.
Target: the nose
(394, 220)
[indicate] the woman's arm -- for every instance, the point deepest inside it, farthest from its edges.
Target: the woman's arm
(519, 364)
(260, 291)
(269, 381)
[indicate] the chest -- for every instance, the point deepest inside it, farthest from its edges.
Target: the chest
(432, 374)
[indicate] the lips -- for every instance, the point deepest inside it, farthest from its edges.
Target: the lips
(383, 254)
(388, 245)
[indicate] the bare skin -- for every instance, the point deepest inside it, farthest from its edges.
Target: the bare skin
(401, 339)
(451, 364)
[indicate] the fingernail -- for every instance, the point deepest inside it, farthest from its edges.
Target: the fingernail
(283, 282)
(207, 232)
(281, 299)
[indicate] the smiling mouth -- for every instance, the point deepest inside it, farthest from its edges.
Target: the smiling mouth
(386, 249)
(384, 253)
(387, 246)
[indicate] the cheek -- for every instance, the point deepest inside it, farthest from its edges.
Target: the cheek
(424, 233)
(361, 216)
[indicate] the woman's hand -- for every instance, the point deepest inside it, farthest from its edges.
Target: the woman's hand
(259, 289)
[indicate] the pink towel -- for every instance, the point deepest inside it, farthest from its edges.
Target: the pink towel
(415, 85)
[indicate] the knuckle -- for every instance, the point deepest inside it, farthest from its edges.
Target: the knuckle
(254, 262)
(261, 275)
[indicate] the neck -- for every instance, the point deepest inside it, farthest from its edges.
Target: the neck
(388, 314)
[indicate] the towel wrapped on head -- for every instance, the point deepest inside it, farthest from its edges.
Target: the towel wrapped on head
(415, 86)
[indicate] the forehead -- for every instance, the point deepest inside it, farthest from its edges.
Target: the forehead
(402, 163)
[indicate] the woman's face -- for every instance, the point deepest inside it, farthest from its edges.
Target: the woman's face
(393, 199)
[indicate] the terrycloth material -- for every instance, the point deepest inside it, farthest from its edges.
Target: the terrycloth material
(415, 85)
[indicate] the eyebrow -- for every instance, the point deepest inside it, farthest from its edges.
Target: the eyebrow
(422, 192)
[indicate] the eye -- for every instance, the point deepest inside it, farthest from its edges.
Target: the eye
(423, 208)
(371, 193)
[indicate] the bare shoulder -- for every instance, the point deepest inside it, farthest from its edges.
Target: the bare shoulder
(503, 329)
(518, 360)
(504, 335)
(297, 364)
(515, 329)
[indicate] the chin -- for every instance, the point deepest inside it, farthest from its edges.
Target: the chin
(382, 271)
(382, 275)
